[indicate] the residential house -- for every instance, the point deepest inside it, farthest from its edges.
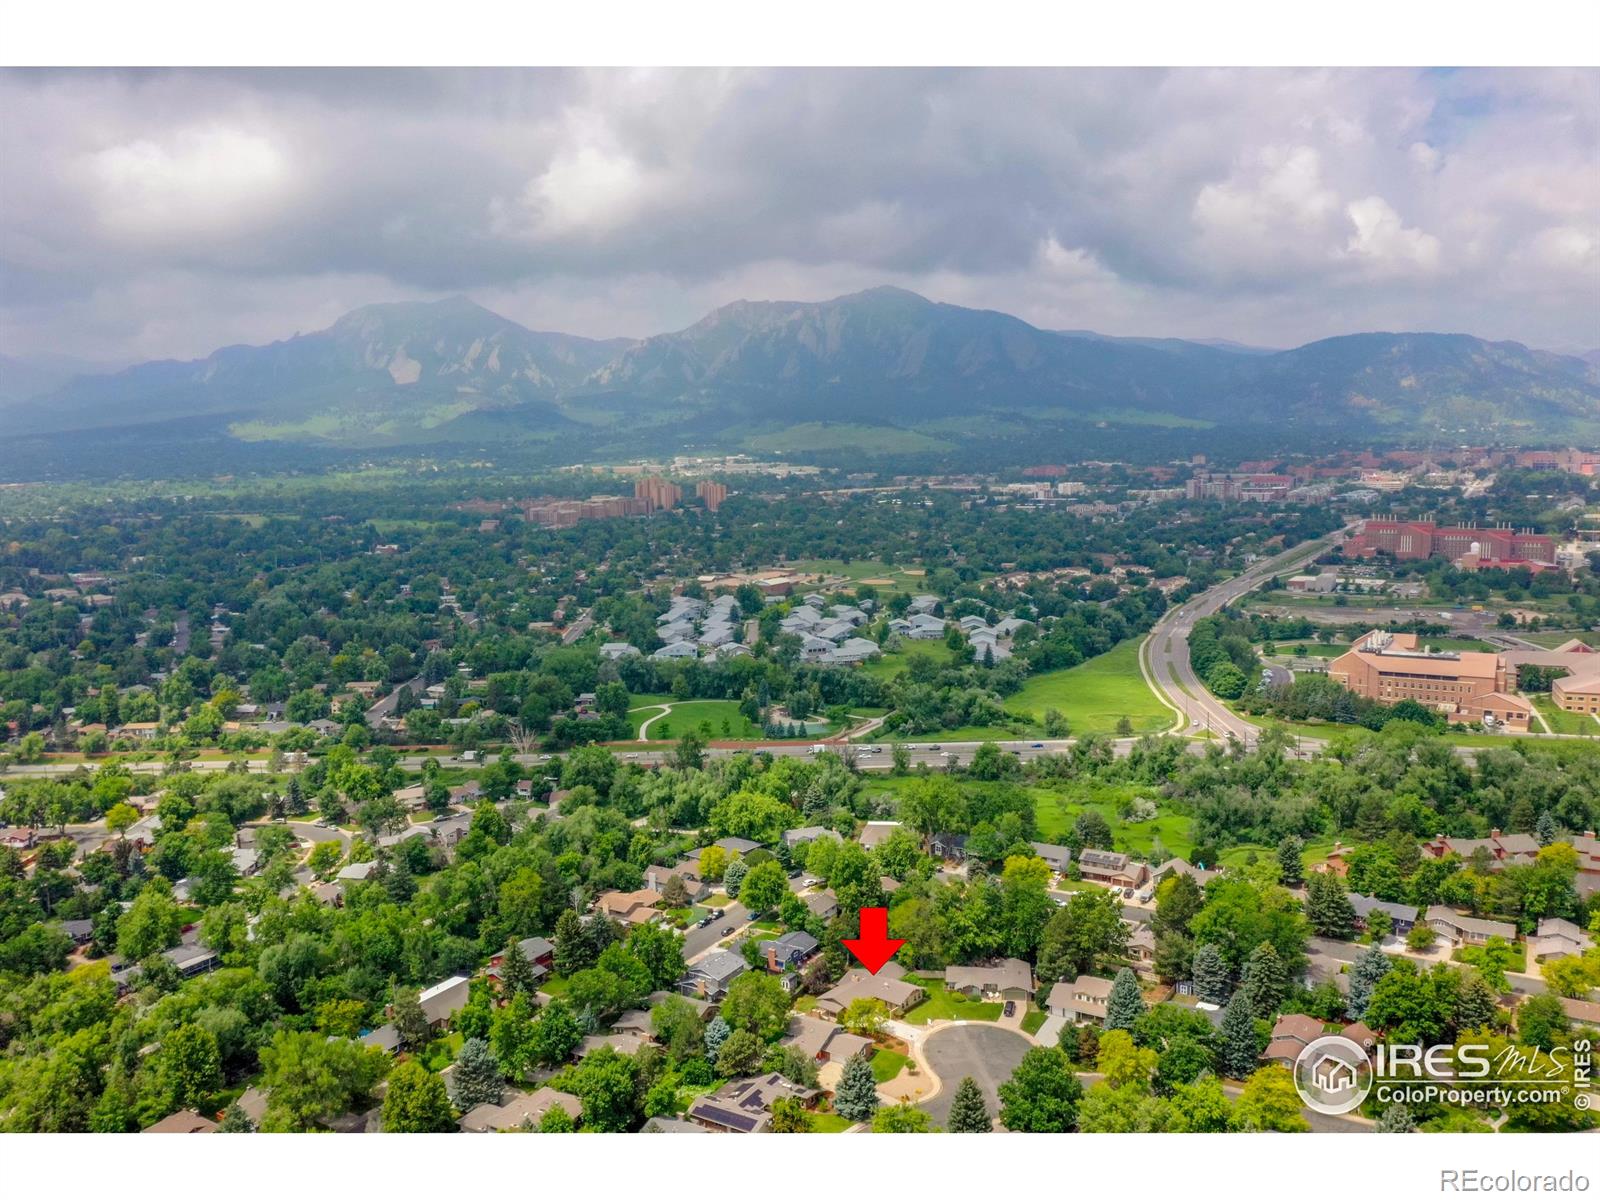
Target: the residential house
(875, 833)
(519, 1110)
(1466, 931)
(444, 1000)
(185, 1120)
(1557, 938)
(635, 1023)
(734, 845)
(678, 649)
(824, 903)
(745, 1105)
(616, 650)
(1581, 1012)
(794, 838)
(789, 952)
(412, 798)
(1142, 948)
(355, 873)
(1402, 917)
(1005, 979)
(540, 953)
(1179, 866)
(1080, 1001)
(1111, 869)
(1057, 858)
(825, 1041)
(1292, 1034)
(385, 1037)
(623, 1043)
(895, 992)
(709, 978)
(631, 908)
(657, 877)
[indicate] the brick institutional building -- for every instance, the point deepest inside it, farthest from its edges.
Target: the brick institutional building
(658, 493)
(712, 493)
(1410, 540)
(1464, 685)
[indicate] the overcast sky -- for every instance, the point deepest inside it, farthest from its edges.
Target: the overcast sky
(155, 214)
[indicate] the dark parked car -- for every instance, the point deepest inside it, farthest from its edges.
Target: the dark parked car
(727, 930)
(1011, 1008)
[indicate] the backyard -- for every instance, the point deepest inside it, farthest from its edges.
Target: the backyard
(945, 1005)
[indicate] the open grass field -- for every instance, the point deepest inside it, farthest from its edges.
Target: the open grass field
(1055, 812)
(1095, 695)
(901, 579)
(1329, 729)
(945, 1005)
(892, 664)
(1550, 639)
(1561, 721)
(724, 717)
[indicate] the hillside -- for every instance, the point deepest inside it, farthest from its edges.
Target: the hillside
(451, 370)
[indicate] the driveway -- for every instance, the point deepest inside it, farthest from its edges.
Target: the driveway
(986, 1052)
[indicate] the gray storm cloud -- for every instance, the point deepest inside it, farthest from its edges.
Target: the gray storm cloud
(147, 214)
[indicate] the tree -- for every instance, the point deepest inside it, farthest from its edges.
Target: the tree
(856, 1097)
(190, 1067)
(556, 1034)
(1200, 1107)
(1329, 909)
(607, 1084)
(416, 1102)
(1122, 1063)
(233, 1120)
(516, 972)
(1291, 861)
(410, 1022)
(717, 1032)
(1270, 1103)
(324, 857)
(865, 1015)
(477, 1075)
(968, 1111)
(1396, 1118)
(573, 952)
(1084, 932)
(1042, 1094)
(1125, 1005)
(660, 951)
(1263, 983)
(1372, 966)
(1542, 1022)
(757, 1002)
(1211, 979)
(733, 877)
(763, 887)
(1477, 1003)
(311, 1078)
(901, 1118)
(790, 1116)
(557, 1120)
(1240, 1050)
(151, 925)
(740, 1055)
(119, 817)
(513, 1037)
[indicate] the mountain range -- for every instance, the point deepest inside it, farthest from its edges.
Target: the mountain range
(772, 374)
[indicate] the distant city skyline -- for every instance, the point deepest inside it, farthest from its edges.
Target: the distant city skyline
(152, 214)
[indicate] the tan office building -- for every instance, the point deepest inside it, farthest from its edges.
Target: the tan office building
(1464, 685)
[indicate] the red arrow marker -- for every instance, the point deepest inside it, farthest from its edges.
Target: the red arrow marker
(874, 947)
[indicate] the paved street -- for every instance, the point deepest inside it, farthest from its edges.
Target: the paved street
(986, 1052)
(697, 942)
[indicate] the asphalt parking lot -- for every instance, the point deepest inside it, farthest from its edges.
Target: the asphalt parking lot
(986, 1052)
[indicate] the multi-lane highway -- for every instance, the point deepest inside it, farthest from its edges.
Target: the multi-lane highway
(1166, 651)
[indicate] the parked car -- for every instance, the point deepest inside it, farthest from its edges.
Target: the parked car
(1011, 1008)
(727, 930)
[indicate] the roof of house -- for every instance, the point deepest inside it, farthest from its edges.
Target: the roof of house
(1007, 974)
(1502, 929)
(875, 833)
(1368, 904)
(720, 966)
(185, 1120)
(807, 833)
(1585, 1011)
(744, 1105)
(1052, 854)
(1297, 1026)
(1065, 994)
(897, 993)
(735, 845)
(796, 941)
(518, 1109)
(445, 998)
(817, 1037)
(820, 902)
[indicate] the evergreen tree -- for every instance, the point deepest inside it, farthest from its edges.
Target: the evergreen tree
(1396, 1118)
(1125, 1005)
(572, 948)
(1211, 981)
(235, 1121)
(968, 1112)
(410, 1022)
(856, 1097)
(1545, 828)
(477, 1076)
(717, 1032)
(1476, 1004)
(733, 877)
(1291, 862)
(1372, 966)
(1329, 908)
(1263, 982)
(516, 973)
(1240, 1049)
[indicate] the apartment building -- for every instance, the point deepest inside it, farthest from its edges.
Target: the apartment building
(658, 493)
(1464, 685)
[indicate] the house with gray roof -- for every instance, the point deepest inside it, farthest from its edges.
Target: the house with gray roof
(745, 1105)
(1401, 916)
(709, 978)
(1003, 979)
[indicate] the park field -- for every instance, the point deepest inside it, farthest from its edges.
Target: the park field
(1056, 810)
(1095, 695)
(889, 665)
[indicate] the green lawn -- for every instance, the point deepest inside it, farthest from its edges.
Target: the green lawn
(967, 733)
(1034, 1021)
(689, 714)
(829, 1122)
(1056, 810)
(886, 1064)
(895, 662)
(1552, 638)
(945, 1005)
(1095, 695)
(1561, 721)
